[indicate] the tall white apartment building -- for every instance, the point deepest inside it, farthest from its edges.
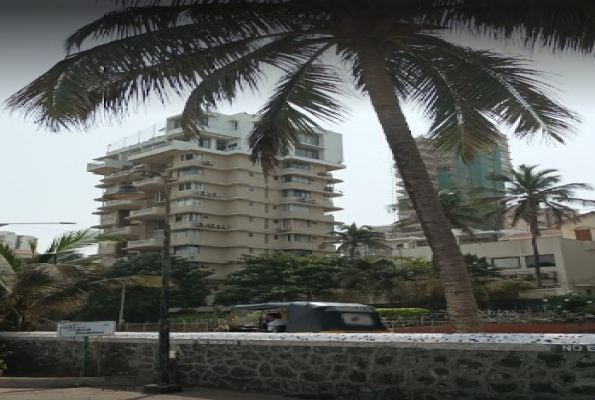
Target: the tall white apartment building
(222, 207)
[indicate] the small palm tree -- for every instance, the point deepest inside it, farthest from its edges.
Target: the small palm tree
(530, 191)
(351, 238)
(57, 281)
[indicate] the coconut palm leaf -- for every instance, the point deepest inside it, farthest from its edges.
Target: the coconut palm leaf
(553, 24)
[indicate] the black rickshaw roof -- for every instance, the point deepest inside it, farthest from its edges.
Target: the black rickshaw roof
(316, 304)
(260, 306)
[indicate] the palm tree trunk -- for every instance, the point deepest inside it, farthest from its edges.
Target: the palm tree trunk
(458, 290)
(534, 235)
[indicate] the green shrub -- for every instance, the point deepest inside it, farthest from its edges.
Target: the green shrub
(571, 306)
(402, 313)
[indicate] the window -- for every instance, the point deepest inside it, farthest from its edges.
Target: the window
(299, 238)
(106, 217)
(159, 197)
(220, 145)
(313, 140)
(190, 201)
(191, 156)
(297, 179)
(233, 125)
(307, 153)
(186, 250)
(297, 193)
(250, 219)
(545, 260)
(583, 234)
(250, 203)
(191, 171)
(506, 263)
(251, 189)
(185, 217)
(206, 143)
(250, 234)
(188, 233)
(296, 208)
(357, 319)
(190, 186)
(176, 123)
(297, 165)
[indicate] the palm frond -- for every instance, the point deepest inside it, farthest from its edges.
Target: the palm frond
(551, 24)
(9, 255)
(468, 93)
(242, 73)
(308, 88)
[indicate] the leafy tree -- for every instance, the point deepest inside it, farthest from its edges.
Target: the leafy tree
(505, 289)
(351, 238)
(530, 190)
(56, 282)
(142, 304)
(279, 276)
(393, 51)
(373, 278)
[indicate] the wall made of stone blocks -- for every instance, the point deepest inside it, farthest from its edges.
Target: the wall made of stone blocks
(348, 369)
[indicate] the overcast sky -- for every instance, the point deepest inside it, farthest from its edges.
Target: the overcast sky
(44, 174)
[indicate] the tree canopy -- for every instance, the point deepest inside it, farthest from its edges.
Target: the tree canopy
(279, 276)
(142, 304)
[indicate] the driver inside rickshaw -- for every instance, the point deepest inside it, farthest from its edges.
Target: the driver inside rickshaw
(276, 321)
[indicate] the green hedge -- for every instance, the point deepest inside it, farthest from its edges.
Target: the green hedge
(402, 313)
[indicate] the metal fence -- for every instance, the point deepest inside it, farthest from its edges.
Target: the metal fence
(429, 320)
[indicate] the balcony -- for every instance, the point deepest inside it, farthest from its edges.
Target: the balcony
(153, 243)
(107, 166)
(184, 225)
(329, 206)
(200, 258)
(150, 184)
(155, 213)
(121, 176)
(105, 223)
(120, 205)
(313, 246)
(125, 231)
(161, 152)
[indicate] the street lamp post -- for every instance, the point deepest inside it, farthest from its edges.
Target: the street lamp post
(130, 192)
(36, 223)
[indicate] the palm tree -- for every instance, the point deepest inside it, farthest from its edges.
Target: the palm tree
(391, 50)
(530, 191)
(458, 205)
(351, 237)
(57, 281)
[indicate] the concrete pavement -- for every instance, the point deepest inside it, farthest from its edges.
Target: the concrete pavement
(88, 393)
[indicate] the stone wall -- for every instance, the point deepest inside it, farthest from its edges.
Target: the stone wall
(357, 367)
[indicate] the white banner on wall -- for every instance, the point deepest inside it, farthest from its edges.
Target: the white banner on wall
(76, 329)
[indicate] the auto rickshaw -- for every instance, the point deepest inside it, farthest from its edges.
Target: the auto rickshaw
(306, 316)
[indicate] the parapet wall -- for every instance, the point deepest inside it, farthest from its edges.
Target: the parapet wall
(349, 366)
